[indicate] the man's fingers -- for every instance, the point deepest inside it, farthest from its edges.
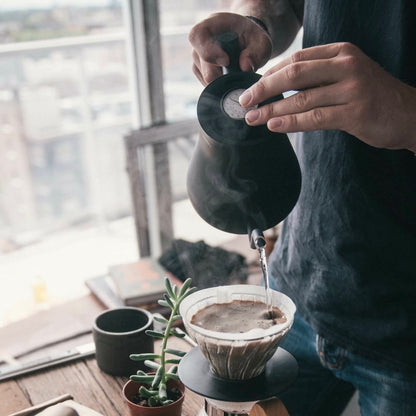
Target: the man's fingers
(210, 72)
(203, 40)
(196, 67)
(211, 60)
(256, 52)
(321, 118)
(334, 94)
(246, 61)
(209, 57)
(297, 76)
(204, 71)
(308, 54)
(198, 74)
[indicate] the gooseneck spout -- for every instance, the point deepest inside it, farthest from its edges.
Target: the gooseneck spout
(257, 239)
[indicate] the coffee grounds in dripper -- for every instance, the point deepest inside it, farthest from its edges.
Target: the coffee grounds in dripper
(237, 316)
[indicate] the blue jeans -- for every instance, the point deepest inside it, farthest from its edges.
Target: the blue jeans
(329, 375)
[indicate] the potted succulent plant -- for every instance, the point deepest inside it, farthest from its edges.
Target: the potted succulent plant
(160, 391)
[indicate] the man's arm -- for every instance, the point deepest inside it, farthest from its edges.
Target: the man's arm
(339, 88)
(283, 19)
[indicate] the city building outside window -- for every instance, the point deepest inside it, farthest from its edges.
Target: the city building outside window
(66, 101)
(65, 104)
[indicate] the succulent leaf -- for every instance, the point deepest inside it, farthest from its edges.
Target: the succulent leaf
(151, 364)
(173, 370)
(163, 395)
(177, 334)
(175, 352)
(155, 334)
(144, 356)
(154, 401)
(184, 287)
(162, 302)
(169, 288)
(160, 319)
(155, 392)
(158, 377)
(169, 301)
(143, 391)
(142, 379)
(191, 290)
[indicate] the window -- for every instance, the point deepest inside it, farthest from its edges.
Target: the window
(65, 103)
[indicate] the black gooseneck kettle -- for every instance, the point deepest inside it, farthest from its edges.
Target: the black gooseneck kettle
(241, 179)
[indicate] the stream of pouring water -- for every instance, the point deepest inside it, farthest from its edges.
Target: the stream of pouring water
(263, 264)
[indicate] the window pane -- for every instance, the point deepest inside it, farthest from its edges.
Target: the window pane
(182, 89)
(54, 109)
(65, 104)
(28, 20)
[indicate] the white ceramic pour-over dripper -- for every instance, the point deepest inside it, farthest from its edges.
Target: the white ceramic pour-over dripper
(237, 356)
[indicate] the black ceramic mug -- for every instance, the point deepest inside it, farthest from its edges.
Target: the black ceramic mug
(118, 333)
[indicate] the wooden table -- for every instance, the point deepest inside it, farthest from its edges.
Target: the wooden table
(82, 379)
(38, 336)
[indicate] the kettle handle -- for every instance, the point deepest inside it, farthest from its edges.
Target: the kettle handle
(230, 44)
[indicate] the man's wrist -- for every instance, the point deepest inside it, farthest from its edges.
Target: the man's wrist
(260, 23)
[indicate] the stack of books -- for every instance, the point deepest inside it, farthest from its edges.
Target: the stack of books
(139, 284)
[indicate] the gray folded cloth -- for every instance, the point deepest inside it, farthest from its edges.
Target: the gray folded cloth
(58, 406)
(208, 266)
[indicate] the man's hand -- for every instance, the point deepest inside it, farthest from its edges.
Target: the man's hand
(208, 57)
(340, 88)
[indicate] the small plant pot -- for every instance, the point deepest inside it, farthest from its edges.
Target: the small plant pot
(130, 390)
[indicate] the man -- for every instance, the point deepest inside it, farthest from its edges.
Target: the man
(347, 252)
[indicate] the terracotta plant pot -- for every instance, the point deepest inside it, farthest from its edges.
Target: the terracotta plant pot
(131, 388)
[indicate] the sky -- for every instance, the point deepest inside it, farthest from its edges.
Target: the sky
(39, 4)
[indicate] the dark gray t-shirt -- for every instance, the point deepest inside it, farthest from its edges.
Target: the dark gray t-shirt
(347, 253)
